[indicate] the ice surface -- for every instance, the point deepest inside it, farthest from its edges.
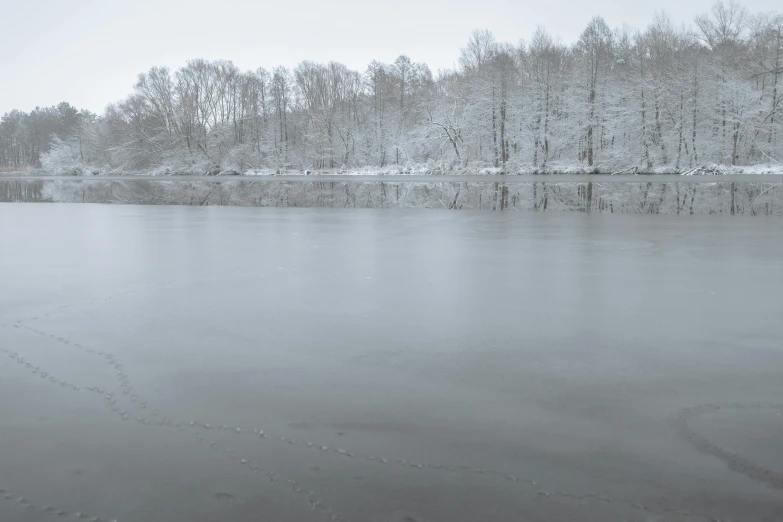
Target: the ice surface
(494, 367)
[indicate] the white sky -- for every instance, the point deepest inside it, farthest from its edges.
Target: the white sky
(89, 52)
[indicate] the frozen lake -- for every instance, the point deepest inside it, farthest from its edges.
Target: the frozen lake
(404, 366)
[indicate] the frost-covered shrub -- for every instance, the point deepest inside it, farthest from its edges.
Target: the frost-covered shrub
(64, 158)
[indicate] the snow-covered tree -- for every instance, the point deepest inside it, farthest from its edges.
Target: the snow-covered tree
(664, 97)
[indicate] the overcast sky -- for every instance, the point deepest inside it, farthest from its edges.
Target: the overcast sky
(89, 52)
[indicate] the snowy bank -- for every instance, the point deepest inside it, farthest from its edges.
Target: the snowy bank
(181, 169)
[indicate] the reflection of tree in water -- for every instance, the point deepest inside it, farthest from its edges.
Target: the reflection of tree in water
(651, 197)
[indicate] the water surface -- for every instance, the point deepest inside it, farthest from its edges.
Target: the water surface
(403, 365)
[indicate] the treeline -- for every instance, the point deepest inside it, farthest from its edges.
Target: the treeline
(24, 137)
(664, 97)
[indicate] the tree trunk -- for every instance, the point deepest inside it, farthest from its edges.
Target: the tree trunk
(591, 101)
(695, 104)
(494, 128)
(679, 140)
(644, 122)
(775, 88)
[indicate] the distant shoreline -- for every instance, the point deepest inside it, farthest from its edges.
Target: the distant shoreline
(579, 173)
(415, 178)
